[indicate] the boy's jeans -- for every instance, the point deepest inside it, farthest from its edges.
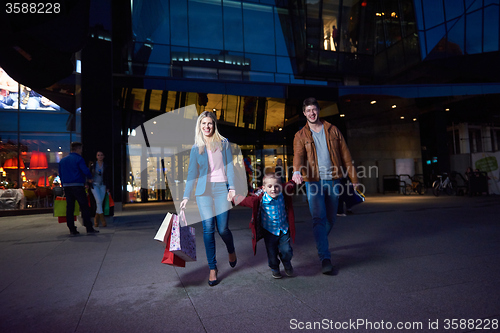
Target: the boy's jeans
(323, 198)
(278, 246)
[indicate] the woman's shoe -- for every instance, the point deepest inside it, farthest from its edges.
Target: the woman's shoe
(215, 282)
(233, 263)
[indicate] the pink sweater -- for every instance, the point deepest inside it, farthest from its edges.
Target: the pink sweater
(216, 164)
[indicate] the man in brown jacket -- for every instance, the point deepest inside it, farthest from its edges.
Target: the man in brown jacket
(320, 158)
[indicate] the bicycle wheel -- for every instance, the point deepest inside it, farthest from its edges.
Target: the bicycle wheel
(436, 188)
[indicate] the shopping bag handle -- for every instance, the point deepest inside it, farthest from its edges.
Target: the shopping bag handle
(182, 217)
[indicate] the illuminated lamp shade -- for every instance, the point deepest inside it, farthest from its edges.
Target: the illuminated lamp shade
(11, 163)
(43, 179)
(38, 161)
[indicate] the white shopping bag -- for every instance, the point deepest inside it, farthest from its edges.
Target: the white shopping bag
(162, 232)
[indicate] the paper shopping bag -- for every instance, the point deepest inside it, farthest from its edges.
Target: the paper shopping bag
(352, 196)
(60, 207)
(62, 219)
(170, 258)
(164, 227)
(108, 205)
(182, 238)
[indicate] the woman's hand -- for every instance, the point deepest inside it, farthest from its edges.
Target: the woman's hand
(230, 195)
(183, 204)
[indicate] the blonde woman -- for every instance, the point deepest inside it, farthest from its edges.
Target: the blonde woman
(211, 162)
(99, 187)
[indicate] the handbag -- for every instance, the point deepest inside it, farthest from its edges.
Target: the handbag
(182, 238)
(60, 207)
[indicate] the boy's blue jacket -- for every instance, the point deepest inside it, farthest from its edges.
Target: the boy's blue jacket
(72, 170)
(254, 200)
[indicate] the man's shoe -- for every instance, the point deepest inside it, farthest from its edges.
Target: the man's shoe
(74, 233)
(326, 267)
(276, 273)
(92, 231)
(289, 271)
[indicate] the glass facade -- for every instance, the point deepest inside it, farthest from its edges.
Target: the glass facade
(35, 133)
(217, 40)
(449, 28)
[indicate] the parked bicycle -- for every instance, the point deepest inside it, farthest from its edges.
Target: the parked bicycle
(416, 186)
(445, 185)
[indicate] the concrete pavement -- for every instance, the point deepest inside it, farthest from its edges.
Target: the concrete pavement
(415, 261)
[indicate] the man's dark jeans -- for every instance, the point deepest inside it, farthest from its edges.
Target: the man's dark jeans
(77, 193)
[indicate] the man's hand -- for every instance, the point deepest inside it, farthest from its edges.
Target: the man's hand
(297, 178)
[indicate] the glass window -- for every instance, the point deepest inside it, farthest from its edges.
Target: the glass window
(434, 36)
(205, 24)
(474, 33)
(160, 54)
(456, 38)
(258, 29)
(349, 27)
(331, 30)
(472, 5)
(9, 121)
(262, 63)
(433, 13)
(161, 35)
(43, 121)
(419, 15)
(281, 48)
(179, 20)
(453, 9)
(491, 28)
(284, 65)
(233, 26)
(275, 114)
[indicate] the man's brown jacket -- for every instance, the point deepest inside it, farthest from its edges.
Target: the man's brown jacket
(305, 158)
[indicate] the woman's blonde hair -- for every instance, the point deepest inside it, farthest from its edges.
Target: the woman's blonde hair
(215, 140)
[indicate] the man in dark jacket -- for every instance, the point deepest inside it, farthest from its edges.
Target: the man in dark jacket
(320, 155)
(73, 171)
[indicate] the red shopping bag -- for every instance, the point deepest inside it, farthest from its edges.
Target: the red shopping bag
(170, 258)
(62, 219)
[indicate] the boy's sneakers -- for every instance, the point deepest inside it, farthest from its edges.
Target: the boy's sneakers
(276, 273)
(289, 271)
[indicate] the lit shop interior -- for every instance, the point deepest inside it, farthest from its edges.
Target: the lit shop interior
(35, 134)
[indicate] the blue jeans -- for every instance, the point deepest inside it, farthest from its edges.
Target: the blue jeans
(278, 246)
(99, 192)
(323, 198)
(214, 207)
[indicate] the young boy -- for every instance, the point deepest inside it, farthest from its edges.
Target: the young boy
(273, 219)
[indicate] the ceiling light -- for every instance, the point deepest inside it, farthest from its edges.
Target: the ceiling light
(394, 106)
(373, 102)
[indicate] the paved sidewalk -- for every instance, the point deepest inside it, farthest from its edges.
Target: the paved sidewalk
(417, 260)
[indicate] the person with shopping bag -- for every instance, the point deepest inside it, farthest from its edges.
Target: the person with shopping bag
(211, 163)
(73, 171)
(99, 188)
